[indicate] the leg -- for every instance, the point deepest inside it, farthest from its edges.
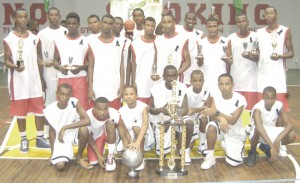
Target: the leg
(41, 142)
(137, 131)
(111, 140)
(24, 148)
(252, 154)
(211, 135)
(202, 126)
(83, 136)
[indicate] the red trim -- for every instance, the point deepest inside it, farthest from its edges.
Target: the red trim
(20, 36)
(175, 34)
(70, 38)
(100, 120)
(238, 35)
(215, 41)
(11, 85)
(113, 38)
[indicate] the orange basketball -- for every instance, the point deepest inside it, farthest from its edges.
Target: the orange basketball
(129, 25)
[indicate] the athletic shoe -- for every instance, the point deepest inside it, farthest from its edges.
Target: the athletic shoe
(24, 148)
(110, 163)
(202, 149)
(282, 151)
(251, 158)
(266, 149)
(209, 161)
(142, 166)
(187, 157)
(42, 143)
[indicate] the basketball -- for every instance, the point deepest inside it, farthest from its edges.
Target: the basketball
(132, 159)
(129, 25)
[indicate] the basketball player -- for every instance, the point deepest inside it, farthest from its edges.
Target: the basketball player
(33, 26)
(94, 26)
(68, 121)
(272, 127)
(138, 16)
(25, 87)
(226, 123)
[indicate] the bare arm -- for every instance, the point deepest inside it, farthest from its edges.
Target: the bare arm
(288, 127)
(133, 67)
(129, 68)
(144, 127)
(155, 111)
(289, 46)
(90, 76)
(187, 59)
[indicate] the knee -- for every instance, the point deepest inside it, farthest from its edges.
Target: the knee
(84, 132)
(60, 166)
(211, 129)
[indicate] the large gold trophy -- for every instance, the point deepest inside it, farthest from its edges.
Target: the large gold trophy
(174, 111)
(20, 61)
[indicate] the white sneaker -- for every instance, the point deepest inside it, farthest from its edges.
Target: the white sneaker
(110, 163)
(282, 151)
(142, 166)
(187, 157)
(209, 161)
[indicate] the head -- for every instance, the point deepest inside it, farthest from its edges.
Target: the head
(118, 25)
(73, 23)
(63, 94)
(190, 20)
(168, 23)
(138, 16)
(170, 74)
(225, 84)
(130, 95)
(54, 16)
(94, 23)
(242, 22)
(101, 108)
(197, 80)
(21, 18)
(63, 23)
(149, 26)
(269, 96)
(107, 24)
(33, 26)
(212, 26)
(270, 15)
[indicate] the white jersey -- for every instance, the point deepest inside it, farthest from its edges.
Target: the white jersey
(227, 107)
(243, 71)
(143, 55)
(92, 36)
(197, 100)
(47, 37)
(270, 72)
(269, 118)
(107, 62)
(213, 66)
(137, 33)
(193, 36)
(58, 118)
(170, 51)
(25, 84)
(72, 52)
(163, 96)
(97, 126)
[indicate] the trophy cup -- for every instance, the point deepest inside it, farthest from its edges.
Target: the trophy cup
(213, 12)
(245, 45)
(154, 74)
(20, 61)
(170, 59)
(199, 56)
(255, 46)
(224, 51)
(274, 43)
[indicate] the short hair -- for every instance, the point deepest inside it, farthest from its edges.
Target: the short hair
(53, 8)
(240, 14)
(269, 89)
(73, 15)
(195, 72)
(102, 100)
(120, 18)
(225, 75)
(212, 19)
(131, 86)
(151, 19)
(138, 9)
(64, 85)
(62, 22)
(31, 23)
(169, 67)
(108, 16)
(19, 9)
(94, 16)
(168, 15)
(189, 13)
(272, 7)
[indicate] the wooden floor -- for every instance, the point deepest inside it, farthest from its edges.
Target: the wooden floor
(31, 171)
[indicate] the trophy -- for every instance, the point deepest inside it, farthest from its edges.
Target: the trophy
(274, 43)
(20, 61)
(132, 159)
(47, 60)
(224, 51)
(199, 56)
(245, 45)
(213, 10)
(70, 66)
(255, 46)
(154, 74)
(168, 5)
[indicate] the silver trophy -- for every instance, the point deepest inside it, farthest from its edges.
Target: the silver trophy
(154, 74)
(255, 46)
(20, 61)
(132, 159)
(224, 51)
(245, 45)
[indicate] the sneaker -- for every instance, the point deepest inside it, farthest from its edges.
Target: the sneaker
(209, 161)
(24, 146)
(142, 166)
(282, 151)
(187, 157)
(266, 149)
(110, 163)
(42, 143)
(202, 149)
(251, 158)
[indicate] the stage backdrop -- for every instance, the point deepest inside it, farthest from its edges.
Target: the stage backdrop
(287, 10)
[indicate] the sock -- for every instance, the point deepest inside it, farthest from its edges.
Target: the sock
(40, 134)
(202, 138)
(111, 148)
(211, 153)
(46, 131)
(23, 135)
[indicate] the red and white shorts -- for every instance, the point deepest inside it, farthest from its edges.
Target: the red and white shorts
(20, 108)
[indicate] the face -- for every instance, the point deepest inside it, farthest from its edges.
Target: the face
(130, 96)
(270, 15)
(54, 17)
(169, 76)
(197, 82)
(212, 28)
(149, 27)
(94, 25)
(138, 17)
(118, 26)
(269, 98)
(242, 23)
(63, 97)
(72, 25)
(101, 111)
(168, 24)
(21, 19)
(225, 86)
(107, 25)
(190, 21)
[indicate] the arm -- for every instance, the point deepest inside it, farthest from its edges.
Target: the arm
(155, 111)
(288, 127)
(121, 89)
(56, 63)
(8, 60)
(187, 59)
(90, 76)
(133, 67)
(289, 46)
(41, 65)
(129, 69)
(195, 110)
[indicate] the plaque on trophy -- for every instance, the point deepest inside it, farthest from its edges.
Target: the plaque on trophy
(20, 61)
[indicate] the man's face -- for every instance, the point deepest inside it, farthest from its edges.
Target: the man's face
(130, 96)
(101, 111)
(270, 15)
(54, 17)
(21, 19)
(242, 23)
(225, 85)
(107, 25)
(190, 21)
(149, 28)
(212, 28)
(118, 26)
(63, 97)
(169, 76)
(138, 17)
(94, 25)
(72, 25)
(197, 82)
(269, 98)
(168, 24)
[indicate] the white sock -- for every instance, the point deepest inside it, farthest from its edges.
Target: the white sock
(202, 138)
(46, 131)
(39, 134)
(211, 153)
(23, 135)
(111, 148)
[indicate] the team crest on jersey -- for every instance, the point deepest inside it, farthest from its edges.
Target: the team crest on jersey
(237, 103)
(117, 43)
(81, 42)
(70, 60)
(46, 54)
(176, 48)
(279, 32)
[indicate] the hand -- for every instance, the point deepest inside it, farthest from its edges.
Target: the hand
(61, 135)
(226, 59)
(200, 60)
(246, 54)
(48, 63)
(101, 161)
(63, 69)
(191, 111)
(224, 126)
(19, 69)
(76, 69)
(91, 94)
(155, 77)
(135, 146)
(254, 54)
(275, 150)
(274, 57)
(166, 11)
(208, 112)
(129, 36)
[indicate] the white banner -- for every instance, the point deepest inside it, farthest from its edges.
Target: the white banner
(287, 10)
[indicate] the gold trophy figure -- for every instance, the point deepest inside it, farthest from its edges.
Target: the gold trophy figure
(274, 43)
(20, 61)
(170, 59)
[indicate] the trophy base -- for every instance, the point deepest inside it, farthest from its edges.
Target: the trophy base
(133, 174)
(166, 172)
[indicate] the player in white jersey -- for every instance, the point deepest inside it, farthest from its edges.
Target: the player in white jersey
(143, 54)
(106, 65)
(272, 127)
(226, 123)
(172, 48)
(68, 121)
(198, 96)
(193, 35)
(94, 26)
(214, 60)
(138, 16)
(275, 46)
(242, 46)
(70, 57)
(104, 122)
(161, 97)
(24, 79)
